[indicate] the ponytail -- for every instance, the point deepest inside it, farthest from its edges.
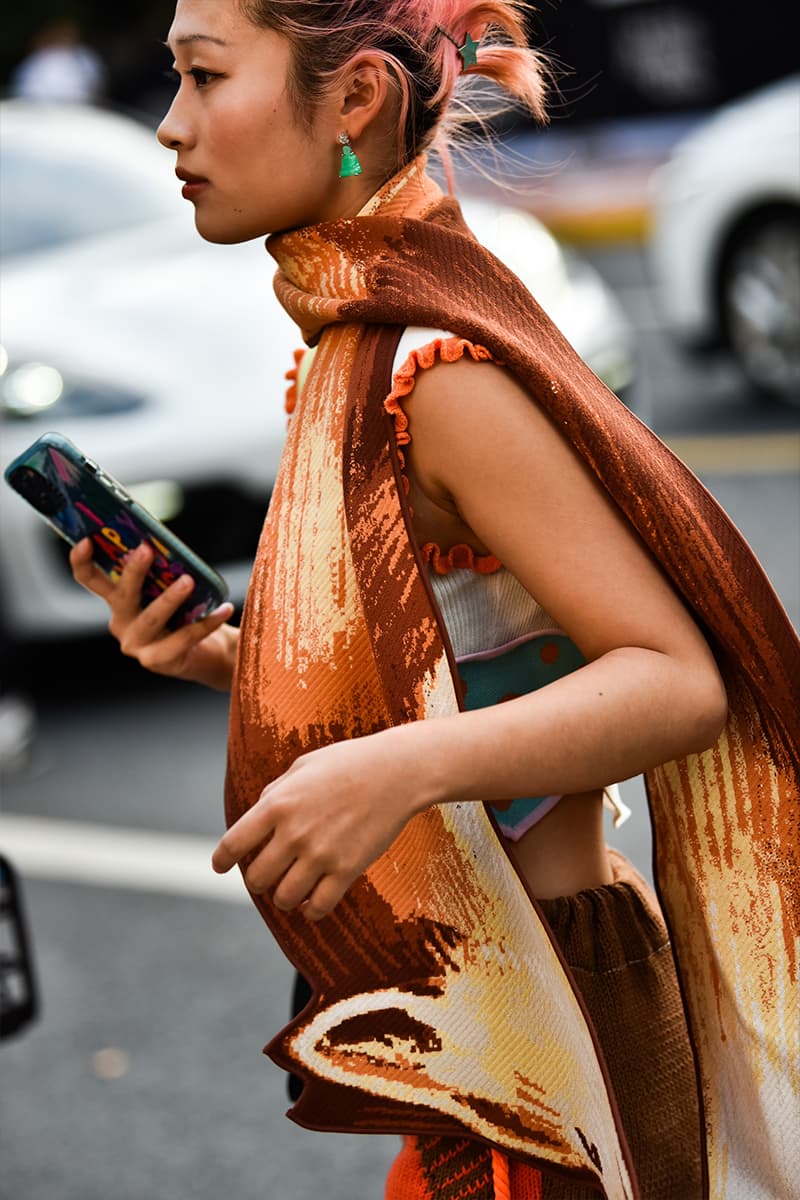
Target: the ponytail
(503, 54)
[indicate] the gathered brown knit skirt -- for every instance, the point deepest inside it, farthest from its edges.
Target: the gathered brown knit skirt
(616, 944)
(617, 947)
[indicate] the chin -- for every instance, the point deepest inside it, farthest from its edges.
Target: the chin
(225, 235)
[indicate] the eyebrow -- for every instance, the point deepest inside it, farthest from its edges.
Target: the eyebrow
(187, 38)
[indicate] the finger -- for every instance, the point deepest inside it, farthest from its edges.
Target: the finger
(122, 593)
(179, 642)
(137, 627)
(269, 866)
(167, 652)
(131, 576)
(81, 552)
(243, 837)
(214, 619)
(325, 896)
(297, 884)
(86, 572)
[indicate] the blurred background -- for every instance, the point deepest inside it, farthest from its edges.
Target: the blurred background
(657, 219)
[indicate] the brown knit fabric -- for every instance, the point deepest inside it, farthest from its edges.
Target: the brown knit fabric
(617, 947)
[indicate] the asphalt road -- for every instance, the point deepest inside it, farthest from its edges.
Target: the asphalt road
(143, 1076)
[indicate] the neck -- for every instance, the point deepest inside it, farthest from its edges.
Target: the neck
(329, 264)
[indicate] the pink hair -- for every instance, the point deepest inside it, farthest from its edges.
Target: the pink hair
(412, 37)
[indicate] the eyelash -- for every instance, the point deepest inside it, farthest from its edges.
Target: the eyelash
(201, 77)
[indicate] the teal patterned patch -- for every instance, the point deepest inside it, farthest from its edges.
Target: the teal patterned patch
(497, 676)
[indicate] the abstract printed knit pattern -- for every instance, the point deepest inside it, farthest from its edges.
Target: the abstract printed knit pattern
(416, 969)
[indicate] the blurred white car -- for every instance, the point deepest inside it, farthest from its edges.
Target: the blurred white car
(725, 247)
(163, 357)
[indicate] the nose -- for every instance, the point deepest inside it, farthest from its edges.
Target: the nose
(174, 132)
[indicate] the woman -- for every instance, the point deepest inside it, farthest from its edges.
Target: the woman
(489, 981)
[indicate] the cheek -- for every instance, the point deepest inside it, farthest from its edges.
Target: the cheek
(258, 150)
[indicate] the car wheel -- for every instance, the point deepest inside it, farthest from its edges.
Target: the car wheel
(760, 302)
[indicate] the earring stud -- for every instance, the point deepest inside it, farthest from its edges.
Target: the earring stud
(349, 165)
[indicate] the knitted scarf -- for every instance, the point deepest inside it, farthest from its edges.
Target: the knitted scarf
(415, 970)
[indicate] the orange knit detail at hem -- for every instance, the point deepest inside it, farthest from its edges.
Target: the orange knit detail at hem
(500, 1176)
(441, 349)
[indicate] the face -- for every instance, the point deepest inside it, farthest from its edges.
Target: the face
(249, 166)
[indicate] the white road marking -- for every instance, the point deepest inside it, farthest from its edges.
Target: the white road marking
(739, 454)
(117, 857)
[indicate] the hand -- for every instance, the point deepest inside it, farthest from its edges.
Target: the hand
(201, 651)
(325, 820)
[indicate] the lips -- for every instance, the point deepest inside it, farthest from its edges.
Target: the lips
(188, 177)
(192, 184)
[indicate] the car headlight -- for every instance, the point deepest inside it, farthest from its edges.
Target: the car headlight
(30, 388)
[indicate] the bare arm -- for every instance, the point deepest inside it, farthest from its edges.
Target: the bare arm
(484, 456)
(203, 652)
(651, 691)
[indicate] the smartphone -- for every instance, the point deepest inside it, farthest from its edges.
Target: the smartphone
(79, 499)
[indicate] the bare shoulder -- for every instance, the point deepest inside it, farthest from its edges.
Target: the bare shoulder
(464, 412)
(482, 444)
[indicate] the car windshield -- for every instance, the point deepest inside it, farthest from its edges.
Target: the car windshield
(50, 201)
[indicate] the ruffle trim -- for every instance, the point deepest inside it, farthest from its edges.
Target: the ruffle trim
(448, 350)
(459, 558)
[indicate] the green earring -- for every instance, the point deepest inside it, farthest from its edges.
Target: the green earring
(350, 164)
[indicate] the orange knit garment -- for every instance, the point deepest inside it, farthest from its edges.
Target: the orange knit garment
(416, 970)
(425, 1172)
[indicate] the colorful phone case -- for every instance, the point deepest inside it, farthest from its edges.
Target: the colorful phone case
(78, 499)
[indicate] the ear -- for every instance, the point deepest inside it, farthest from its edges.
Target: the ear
(364, 91)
